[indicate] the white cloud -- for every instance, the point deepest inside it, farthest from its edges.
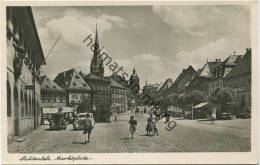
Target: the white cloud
(201, 20)
(220, 49)
(229, 25)
(74, 26)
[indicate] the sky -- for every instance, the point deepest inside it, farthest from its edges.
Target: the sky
(158, 41)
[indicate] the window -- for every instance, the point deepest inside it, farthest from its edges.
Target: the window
(58, 99)
(64, 99)
(74, 96)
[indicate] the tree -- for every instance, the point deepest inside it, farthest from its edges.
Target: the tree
(222, 97)
(194, 97)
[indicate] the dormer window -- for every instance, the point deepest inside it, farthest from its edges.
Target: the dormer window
(74, 84)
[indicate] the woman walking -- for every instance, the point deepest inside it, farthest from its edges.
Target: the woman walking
(132, 127)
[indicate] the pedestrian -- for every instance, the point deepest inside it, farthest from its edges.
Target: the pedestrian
(213, 113)
(87, 128)
(149, 124)
(155, 130)
(74, 115)
(133, 124)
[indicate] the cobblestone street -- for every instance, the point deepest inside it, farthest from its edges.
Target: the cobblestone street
(187, 136)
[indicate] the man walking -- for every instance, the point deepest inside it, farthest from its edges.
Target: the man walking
(133, 124)
(213, 118)
(87, 128)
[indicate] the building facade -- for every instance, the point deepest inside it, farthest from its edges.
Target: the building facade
(220, 71)
(239, 79)
(149, 89)
(100, 97)
(119, 97)
(24, 57)
(77, 89)
(52, 95)
(182, 81)
(200, 81)
(100, 87)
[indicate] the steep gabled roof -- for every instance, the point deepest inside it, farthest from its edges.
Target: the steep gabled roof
(184, 71)
(166, 84)
(71, 80)
(207, 69)
(232, 60)
(47, 85)
(243, 66)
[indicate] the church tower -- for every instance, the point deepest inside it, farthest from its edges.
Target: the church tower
(96, 66)
(134, 82)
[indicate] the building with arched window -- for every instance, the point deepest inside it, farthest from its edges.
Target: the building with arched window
(24, 57)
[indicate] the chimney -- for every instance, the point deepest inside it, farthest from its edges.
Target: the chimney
(216, 60)
(183, 70)
(248, 50)
(219, 60)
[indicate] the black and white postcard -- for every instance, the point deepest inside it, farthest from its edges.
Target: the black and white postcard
(129, 82)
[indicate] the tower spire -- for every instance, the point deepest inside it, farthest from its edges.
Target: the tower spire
(96, 38)
(96, 66)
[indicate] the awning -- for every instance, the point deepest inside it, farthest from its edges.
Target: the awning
(200, 105)
(49, 110)
(55, 110)
(67, 109)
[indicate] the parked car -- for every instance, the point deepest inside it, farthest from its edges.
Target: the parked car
(225, 116)
(77, 125)
(57, 123)
(245, 115)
